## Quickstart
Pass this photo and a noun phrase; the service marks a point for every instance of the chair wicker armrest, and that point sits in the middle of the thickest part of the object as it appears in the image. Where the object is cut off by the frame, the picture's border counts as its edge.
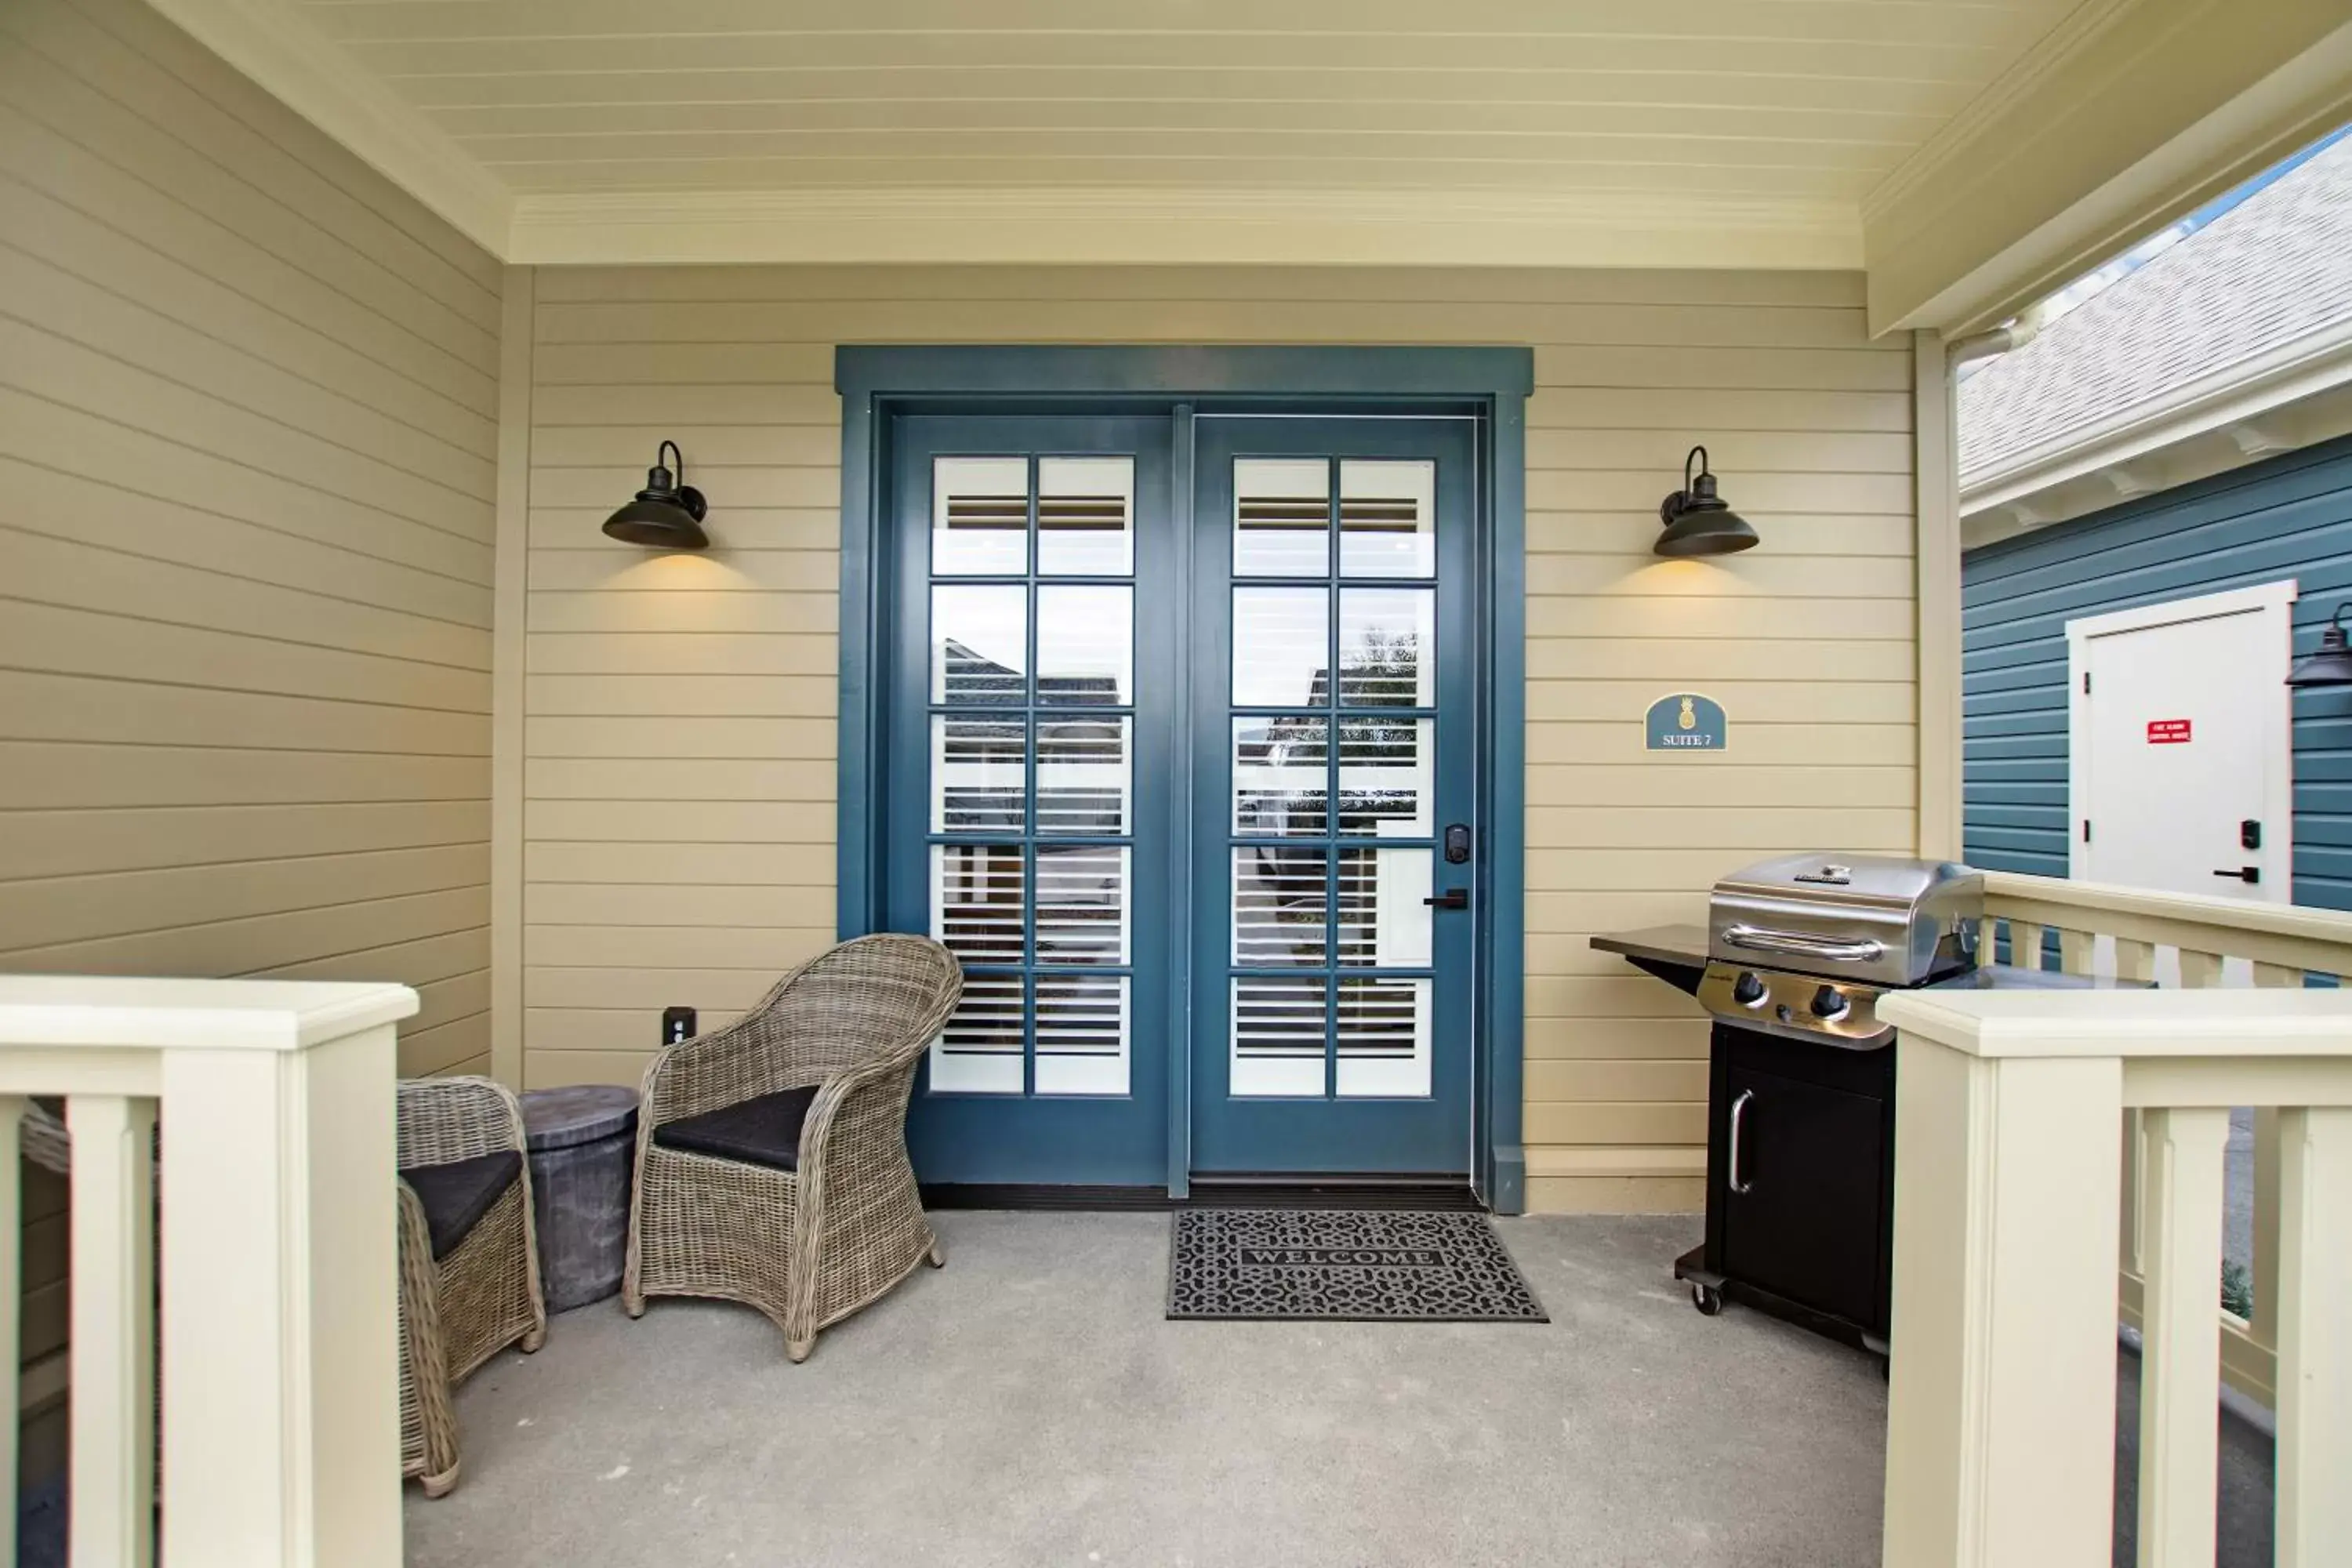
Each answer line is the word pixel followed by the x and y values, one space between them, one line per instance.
pixel 443 1120
pixel 849 1106
pixel 876 1088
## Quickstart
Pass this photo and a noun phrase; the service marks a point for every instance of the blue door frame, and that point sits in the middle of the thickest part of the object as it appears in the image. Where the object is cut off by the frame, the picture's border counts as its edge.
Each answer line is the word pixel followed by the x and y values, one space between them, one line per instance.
pixel 1179 384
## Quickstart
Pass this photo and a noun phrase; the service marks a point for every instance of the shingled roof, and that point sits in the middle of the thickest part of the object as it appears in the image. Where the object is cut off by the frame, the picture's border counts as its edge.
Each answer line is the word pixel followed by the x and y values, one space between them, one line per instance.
pixel 2275 267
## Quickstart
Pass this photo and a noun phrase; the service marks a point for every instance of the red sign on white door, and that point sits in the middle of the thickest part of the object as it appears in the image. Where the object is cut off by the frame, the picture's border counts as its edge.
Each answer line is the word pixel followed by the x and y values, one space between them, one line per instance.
pixel 2167 732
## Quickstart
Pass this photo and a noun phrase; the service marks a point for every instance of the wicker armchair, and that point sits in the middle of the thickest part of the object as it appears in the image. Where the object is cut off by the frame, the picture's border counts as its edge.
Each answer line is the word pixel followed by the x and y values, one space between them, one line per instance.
pixel 468 1259
pixel 772 1154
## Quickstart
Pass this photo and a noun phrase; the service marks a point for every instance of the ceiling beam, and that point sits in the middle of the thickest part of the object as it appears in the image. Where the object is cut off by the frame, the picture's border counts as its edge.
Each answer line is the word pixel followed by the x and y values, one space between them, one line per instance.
pixel 1406 227
pixel 2131 114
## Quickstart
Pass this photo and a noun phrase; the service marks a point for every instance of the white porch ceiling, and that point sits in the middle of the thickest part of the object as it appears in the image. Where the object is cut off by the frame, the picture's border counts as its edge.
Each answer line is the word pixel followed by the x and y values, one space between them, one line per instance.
pixel 1795 100
pixel 1562 132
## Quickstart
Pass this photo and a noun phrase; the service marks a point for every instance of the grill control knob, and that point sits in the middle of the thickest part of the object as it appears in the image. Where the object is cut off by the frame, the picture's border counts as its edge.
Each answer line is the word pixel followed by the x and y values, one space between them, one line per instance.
pixel 1747 990
pixel 1830 1004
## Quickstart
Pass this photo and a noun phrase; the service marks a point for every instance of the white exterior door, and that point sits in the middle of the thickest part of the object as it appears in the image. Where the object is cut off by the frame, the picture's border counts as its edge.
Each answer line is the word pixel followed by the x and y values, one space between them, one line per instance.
pixel 2182 776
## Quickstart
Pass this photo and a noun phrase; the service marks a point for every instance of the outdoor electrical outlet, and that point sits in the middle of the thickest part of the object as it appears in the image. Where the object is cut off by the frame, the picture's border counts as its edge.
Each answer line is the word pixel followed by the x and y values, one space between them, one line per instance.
pixel 677 1023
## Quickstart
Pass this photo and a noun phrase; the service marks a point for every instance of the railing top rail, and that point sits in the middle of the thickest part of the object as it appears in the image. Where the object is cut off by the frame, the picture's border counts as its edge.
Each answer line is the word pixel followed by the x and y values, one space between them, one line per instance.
pixel 2235 915
pixel 113 1012
pixel 2198 1023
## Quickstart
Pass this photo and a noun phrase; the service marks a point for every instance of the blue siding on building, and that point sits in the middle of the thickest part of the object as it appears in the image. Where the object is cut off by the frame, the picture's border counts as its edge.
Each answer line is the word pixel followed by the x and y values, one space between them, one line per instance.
pixel 2290 516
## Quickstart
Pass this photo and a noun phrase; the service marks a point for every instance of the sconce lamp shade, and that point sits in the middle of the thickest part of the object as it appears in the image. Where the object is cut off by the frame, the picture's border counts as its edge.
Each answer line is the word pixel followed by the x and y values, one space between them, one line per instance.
pixel 2332 665
pixel 1697 521
pixel 666 514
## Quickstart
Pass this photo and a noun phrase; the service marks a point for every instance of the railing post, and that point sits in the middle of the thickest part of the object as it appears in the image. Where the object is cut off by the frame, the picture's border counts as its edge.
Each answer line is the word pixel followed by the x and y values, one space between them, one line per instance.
pixel 111 1515
pixel 280 1360
pixel 1999 1447
pixel 2315 1358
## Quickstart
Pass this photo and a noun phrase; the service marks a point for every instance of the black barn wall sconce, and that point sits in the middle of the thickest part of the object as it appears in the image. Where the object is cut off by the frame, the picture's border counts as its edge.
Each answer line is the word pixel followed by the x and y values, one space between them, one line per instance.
pixel 667 513
pixel 2332 665
pixel 1697 521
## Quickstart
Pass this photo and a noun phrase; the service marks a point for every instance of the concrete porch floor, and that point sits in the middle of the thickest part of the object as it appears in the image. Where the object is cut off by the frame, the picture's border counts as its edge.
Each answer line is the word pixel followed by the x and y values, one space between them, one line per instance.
pixel 1028 1406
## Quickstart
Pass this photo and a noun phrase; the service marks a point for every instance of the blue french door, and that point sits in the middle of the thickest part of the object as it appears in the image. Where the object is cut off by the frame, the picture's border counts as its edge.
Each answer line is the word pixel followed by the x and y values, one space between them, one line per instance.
pixel 1030 759
pixel 1332 747
pixel 1188 793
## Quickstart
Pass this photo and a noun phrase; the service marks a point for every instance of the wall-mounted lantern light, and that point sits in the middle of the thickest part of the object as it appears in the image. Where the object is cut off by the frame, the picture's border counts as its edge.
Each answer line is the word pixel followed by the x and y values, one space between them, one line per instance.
pixel 1697 522
pixel 667 514
pixel 2332 665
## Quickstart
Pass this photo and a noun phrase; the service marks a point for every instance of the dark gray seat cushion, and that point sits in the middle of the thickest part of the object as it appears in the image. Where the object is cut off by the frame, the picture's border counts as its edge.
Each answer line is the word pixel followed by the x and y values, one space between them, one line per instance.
pixel 457 1195
pixel 762 1132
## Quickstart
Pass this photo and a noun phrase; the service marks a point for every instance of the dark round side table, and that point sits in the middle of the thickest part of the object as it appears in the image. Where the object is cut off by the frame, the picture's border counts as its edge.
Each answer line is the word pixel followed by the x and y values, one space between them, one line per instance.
pixel 584 1145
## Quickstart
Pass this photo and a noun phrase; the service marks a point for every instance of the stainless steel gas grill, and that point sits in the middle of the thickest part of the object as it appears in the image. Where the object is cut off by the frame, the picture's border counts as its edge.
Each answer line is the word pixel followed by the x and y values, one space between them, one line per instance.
pixel 1806 945
pixel 1800 1108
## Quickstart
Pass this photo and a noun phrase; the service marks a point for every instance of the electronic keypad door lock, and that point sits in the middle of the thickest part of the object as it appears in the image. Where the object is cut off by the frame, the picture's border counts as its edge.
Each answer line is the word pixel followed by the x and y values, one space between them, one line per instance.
pixel 1457 844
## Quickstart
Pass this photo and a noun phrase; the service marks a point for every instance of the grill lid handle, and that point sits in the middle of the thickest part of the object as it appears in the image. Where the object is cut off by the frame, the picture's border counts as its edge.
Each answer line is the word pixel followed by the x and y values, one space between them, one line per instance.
pixel 1797 944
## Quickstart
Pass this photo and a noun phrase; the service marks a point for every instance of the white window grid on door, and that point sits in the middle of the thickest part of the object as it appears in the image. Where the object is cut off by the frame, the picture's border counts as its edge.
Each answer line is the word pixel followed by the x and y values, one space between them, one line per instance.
pixel 1031 718
pixel 1334 577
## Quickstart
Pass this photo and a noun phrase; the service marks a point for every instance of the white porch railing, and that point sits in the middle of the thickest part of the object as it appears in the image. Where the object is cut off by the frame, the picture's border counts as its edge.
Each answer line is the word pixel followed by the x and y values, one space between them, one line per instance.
pixel 2193 942
pixel 280 1378
pixel 2000 1431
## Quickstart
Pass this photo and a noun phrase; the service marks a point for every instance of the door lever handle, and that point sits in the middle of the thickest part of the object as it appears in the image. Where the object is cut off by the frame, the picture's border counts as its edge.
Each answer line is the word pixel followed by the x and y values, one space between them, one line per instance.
pixel 2241 873
pixel 1452 898
pixel 1731 1177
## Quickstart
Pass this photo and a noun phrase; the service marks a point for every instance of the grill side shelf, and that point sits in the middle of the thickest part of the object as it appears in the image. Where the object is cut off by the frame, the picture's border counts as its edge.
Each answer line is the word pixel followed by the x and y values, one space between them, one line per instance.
pixel 1675 954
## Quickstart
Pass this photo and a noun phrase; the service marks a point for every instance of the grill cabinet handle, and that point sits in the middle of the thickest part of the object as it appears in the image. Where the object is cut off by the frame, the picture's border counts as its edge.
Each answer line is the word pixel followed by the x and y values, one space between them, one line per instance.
pixel 1731 1158
pixel 1796 945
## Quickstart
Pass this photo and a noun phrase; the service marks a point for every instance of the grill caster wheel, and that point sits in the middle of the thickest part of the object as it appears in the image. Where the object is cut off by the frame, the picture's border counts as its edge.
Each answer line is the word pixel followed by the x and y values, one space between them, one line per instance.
pixel 1708 1299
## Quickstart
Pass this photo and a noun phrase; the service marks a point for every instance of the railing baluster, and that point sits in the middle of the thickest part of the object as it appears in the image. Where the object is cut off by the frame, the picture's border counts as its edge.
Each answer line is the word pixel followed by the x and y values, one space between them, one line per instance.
pixel 2025 945
pixel 2263 1325
pixel 2200 971
pixel 2128 1237
pixel 2135 960
pixel 2181 1367
pixel 2314 1355
pixel 11 1287
pixel 2076 951
pixel 111 1519
pixel 2277 974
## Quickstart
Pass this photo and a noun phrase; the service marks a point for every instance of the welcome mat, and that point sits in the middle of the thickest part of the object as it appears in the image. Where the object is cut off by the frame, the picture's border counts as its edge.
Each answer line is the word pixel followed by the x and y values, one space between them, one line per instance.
pixel 1345 1265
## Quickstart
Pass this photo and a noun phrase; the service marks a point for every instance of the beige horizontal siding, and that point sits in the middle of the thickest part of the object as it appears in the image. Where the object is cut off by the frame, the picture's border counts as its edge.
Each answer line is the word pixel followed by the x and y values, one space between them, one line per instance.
pixel 680 742
pixel 248 432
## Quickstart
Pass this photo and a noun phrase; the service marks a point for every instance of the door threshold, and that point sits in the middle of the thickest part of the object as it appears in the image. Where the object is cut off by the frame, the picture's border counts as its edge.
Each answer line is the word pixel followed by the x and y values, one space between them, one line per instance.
pixel 1449 1195
pixel 1287 1191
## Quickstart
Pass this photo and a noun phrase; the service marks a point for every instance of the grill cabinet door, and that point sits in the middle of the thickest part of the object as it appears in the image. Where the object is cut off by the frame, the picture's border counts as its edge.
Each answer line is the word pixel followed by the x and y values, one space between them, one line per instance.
pixel 1808 1227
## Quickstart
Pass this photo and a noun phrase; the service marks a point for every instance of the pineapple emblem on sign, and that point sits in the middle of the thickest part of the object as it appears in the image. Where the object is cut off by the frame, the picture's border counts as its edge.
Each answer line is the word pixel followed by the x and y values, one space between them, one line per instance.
pixel 1686 721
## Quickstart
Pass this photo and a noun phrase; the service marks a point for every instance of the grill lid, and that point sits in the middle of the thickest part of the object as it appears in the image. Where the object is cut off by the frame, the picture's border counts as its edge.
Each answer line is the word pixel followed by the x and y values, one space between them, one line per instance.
pixel 1868 918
